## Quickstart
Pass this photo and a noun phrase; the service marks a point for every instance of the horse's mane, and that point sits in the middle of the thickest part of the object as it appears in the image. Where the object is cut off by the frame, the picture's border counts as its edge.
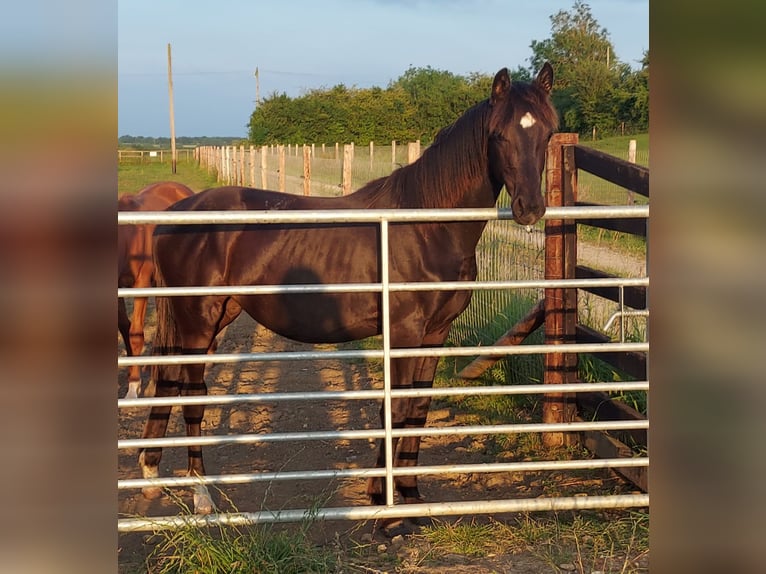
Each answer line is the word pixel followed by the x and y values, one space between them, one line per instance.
pixel 456 159
pixel 442 170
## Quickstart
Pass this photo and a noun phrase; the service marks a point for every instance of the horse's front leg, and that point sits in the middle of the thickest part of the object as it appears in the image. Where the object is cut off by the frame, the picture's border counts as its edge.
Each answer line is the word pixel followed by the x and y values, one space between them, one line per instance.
pixel 401 376
pixel 193 416
pixel 417 414
pixel 156 427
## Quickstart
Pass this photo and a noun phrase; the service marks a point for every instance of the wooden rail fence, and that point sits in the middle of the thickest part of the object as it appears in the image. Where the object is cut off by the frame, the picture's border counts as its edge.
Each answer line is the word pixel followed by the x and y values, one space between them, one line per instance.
pixel 307 169
pixel 558 311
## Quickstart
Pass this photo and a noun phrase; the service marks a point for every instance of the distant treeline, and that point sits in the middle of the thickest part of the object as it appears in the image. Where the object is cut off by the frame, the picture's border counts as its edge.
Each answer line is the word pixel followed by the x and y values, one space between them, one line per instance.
pixel 143 142
pixel 593 92
pixel 424 100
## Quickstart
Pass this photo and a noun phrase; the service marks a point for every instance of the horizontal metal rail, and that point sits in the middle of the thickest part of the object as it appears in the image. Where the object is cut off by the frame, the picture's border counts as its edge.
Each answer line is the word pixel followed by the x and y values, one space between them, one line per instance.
pixel 377 287
pixel 399 511
pixel 219 358
pixel 371 215
pixel 269 397
pixel 362 473
pixel 365 434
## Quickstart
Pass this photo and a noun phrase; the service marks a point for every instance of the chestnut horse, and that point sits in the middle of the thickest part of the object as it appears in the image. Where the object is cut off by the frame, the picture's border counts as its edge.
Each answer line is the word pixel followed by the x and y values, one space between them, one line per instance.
pixel 498 142
pixel 135 266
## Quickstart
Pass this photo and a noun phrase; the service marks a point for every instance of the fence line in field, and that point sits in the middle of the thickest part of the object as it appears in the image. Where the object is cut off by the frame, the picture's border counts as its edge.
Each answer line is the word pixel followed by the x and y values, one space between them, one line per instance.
pixel 309 169
pixel 331 170
pixel 153 155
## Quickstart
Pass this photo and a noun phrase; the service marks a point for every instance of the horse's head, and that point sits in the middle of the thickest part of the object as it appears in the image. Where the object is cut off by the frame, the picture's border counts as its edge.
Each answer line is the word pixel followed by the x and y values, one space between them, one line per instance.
pixel 522 120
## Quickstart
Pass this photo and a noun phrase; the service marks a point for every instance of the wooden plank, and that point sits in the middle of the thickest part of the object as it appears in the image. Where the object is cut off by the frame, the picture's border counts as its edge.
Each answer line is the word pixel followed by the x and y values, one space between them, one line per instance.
pixel 348 160
pixel 604 446
pixel 514 336
pixel 632 363
pixel 634 297
pixel 632 225
pixel 306 170
pixel 618 171
pixel 600 406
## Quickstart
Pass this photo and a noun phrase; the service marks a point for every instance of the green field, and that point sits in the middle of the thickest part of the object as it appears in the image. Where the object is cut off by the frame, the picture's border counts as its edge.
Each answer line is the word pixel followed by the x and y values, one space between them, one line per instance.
pixel 132 177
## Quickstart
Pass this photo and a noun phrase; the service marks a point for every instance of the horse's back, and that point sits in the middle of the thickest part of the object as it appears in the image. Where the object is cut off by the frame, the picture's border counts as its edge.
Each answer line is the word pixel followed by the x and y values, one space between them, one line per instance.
pixel 159 196
pixel 232 197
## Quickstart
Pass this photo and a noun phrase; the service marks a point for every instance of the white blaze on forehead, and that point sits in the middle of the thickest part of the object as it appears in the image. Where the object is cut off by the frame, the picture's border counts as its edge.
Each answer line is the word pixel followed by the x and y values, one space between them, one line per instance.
pixel 527 121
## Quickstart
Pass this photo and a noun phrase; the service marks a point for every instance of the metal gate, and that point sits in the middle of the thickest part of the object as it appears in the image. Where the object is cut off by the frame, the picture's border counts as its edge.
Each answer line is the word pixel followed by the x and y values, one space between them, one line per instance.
pixel 387 433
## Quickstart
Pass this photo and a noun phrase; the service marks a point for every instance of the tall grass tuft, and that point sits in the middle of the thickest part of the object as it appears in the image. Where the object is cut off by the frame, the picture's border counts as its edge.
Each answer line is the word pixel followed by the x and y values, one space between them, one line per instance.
pixel 220 548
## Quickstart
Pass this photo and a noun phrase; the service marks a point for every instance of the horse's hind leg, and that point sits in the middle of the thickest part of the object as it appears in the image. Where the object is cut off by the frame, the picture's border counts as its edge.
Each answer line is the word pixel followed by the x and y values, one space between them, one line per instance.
pixel 198 322
pixel 156 427
pixel 124 326
pixel 136 345
pixel 226 311
pixel 193 416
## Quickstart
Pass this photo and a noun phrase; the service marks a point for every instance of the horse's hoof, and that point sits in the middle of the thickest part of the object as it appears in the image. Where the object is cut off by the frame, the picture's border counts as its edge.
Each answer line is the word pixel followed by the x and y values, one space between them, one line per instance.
pixel 203 503
pixel 132 391
pixel 421 521
pixel 151 492
pixel 399 527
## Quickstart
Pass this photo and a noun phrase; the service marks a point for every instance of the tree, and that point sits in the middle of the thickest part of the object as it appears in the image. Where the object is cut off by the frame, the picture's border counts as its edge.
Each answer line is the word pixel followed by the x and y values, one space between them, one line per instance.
pixel 586 69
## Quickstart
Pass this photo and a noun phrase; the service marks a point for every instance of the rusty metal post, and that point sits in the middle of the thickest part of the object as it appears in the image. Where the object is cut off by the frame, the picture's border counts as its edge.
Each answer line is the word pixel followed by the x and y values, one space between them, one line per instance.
pixel 560 304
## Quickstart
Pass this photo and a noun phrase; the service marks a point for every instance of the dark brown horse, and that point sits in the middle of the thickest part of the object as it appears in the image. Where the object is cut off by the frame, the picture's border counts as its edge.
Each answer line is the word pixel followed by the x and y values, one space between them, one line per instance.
pixel 135 265
pixel 498 142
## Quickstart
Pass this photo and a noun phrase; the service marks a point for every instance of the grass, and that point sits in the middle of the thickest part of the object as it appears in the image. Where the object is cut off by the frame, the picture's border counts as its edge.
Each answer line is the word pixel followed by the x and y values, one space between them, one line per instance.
pixel 262 548
pixel 618 146
pixel 587 541
pixel 132 177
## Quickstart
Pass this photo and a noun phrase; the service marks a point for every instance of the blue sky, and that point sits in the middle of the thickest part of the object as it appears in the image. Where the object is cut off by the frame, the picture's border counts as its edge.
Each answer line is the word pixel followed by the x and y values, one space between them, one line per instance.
pixel 299 45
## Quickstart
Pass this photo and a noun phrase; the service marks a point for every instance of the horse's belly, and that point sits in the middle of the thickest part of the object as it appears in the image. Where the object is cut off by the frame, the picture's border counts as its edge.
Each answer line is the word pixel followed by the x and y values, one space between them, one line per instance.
pixel 316 317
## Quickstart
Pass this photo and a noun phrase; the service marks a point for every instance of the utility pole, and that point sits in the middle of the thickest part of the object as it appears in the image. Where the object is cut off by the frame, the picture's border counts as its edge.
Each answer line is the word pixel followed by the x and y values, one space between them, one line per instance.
pixel 257 88
pixel 172 115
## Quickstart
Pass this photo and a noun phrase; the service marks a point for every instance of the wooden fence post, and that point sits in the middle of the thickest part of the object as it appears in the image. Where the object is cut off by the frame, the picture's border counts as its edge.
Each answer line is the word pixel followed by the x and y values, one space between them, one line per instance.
pixel 252 166
pixel 560 304
pixel 348 159
pixel 281 151
pixel 372 153
pixel 241 176
pixel 393 153
pixel 413 151
pixel 306 170
pixel 264 180
pixel 631 159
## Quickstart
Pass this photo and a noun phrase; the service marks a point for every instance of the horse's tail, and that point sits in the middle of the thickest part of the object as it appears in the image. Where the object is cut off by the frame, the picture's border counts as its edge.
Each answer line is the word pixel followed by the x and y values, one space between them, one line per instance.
pixel 166 341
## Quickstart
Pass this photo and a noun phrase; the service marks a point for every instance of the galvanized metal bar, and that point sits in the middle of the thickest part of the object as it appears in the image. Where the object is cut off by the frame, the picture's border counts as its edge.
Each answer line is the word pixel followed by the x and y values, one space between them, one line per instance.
pixel 387 384
pixel 235 217
pixel 399 511
pixel 358 473
pixel 620 315
pixel 379 394
pixel 376 287
pixel 220 358
pixel 371 433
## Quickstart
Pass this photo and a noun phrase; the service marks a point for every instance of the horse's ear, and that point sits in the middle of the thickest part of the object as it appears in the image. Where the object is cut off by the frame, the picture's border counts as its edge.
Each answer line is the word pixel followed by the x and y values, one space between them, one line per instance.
pixel 545 77
pixel 501 85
